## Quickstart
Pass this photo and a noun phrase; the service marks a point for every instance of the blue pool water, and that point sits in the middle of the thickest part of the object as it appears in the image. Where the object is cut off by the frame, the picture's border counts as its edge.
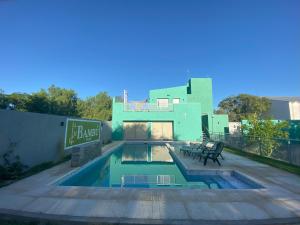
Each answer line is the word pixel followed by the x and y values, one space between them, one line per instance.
pixel 149 166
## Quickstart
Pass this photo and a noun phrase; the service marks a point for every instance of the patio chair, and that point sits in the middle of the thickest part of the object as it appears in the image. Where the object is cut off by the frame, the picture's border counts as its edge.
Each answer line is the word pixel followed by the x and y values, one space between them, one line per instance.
pixel 207 145
pixel 187 149
pixel 213 147
pixel 213 154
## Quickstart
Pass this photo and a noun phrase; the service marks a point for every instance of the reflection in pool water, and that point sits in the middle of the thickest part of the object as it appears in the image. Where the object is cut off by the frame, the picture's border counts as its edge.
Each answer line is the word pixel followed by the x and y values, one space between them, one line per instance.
pixel 141 165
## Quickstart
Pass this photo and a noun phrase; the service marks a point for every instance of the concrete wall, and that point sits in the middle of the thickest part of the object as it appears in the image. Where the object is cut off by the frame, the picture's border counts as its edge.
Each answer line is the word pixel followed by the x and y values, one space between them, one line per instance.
pixel 36 137
pixel 106 132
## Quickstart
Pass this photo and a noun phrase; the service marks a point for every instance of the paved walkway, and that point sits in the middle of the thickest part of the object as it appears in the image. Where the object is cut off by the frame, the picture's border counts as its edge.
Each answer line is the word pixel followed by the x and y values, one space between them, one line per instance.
pixel 278 203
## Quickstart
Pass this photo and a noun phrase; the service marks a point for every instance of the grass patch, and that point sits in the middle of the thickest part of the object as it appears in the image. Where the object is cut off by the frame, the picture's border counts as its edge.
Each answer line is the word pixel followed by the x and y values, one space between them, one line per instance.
pixel 272 162
pixel 34 170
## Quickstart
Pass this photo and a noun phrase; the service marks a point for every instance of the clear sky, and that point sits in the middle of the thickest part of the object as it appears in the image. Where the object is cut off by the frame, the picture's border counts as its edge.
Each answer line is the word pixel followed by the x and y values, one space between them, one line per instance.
pixel 90 46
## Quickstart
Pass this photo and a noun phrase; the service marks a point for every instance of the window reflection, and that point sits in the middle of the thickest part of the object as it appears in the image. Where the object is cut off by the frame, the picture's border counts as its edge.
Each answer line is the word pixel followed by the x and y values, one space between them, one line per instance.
pixel 144 153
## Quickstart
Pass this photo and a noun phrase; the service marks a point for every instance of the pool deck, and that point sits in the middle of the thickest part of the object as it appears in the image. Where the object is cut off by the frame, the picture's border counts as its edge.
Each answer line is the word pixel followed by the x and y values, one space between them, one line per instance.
pixel 277 203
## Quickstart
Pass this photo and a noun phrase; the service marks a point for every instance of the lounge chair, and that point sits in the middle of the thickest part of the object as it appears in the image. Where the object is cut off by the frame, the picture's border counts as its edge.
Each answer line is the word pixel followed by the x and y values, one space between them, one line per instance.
pixel 187 149
pixel 213 154
pixel 212 146
pixel 207 145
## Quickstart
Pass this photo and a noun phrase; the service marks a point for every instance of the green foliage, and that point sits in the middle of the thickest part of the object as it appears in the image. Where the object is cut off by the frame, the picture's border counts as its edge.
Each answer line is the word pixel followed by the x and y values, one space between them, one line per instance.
pixel 3 99
pixel 12 168
pixel 241 106
pixel 6 177
pixel 265 132
pixel 60 101
pixel 39 102
pixel 97 107
pixel 3 173
pixel 20 101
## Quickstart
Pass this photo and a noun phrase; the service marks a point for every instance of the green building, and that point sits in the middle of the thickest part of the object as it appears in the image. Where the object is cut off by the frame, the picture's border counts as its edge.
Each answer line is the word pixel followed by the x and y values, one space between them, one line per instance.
pixel 178 113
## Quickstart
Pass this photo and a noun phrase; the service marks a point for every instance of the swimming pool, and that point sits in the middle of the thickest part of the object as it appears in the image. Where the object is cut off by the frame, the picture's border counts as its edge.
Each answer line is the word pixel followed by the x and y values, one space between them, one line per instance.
pixel 150 166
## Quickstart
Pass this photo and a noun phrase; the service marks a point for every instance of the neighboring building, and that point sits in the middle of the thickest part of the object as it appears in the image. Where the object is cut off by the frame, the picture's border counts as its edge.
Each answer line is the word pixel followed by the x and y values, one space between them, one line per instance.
pixel 285 108
pixel 235 128
pixel 176 113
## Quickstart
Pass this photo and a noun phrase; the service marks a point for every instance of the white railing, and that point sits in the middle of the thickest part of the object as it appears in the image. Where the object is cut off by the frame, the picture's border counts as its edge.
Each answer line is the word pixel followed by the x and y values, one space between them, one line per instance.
pixel 147 180
pixel 146 107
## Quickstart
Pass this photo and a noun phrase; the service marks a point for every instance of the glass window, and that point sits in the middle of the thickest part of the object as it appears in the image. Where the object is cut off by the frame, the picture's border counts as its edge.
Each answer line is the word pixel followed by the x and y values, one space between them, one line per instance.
pixel 176 100
pixel 162 102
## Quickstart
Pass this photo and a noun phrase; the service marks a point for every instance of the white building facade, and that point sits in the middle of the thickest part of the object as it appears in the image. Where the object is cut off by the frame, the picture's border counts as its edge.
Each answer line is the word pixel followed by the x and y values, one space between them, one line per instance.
pixel 285 108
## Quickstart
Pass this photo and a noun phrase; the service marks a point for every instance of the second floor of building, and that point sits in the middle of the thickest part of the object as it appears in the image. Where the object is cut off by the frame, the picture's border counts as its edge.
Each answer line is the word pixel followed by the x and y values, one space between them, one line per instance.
pixel 196 94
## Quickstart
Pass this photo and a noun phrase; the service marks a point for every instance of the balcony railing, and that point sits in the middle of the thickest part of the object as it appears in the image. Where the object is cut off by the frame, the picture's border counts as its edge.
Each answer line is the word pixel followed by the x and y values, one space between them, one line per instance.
pixel 146 107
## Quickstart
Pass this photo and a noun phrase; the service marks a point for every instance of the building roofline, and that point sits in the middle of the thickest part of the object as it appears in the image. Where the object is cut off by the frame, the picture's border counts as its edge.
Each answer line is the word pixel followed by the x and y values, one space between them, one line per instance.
pixel 284 98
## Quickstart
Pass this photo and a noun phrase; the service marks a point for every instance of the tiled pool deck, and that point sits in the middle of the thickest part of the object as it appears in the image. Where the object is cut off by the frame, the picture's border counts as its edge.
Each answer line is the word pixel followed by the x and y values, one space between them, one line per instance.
pixel 277 203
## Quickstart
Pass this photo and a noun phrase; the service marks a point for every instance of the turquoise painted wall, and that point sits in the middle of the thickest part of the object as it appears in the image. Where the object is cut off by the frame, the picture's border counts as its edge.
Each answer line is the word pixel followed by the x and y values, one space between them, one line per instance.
pixel 170 93
pixel 219 124
pixel 216 123
pixel 185 117
pixel 196 101
pixel 200 90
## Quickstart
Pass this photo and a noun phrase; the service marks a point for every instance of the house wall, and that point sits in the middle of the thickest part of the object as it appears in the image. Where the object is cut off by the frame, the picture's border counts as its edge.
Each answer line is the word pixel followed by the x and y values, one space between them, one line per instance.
pixel 216 123
pixel 185 117
pixel 200 91
pixel 219 124
pixel 280 110
pixel 196 103
pixel 170 93
pixel 294 108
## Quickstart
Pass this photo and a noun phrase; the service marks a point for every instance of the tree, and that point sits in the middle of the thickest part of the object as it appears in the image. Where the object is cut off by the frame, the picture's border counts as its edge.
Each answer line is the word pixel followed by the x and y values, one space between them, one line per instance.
pixel 39 102
pixel 241 106
pixel 20 101
pixel 265 132
pixel 3 100
pixel 97 107
pixel 62 101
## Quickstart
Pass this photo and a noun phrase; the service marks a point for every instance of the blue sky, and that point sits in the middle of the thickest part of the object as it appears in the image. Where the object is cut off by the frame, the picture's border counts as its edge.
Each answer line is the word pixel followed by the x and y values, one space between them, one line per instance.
pixel 91 46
